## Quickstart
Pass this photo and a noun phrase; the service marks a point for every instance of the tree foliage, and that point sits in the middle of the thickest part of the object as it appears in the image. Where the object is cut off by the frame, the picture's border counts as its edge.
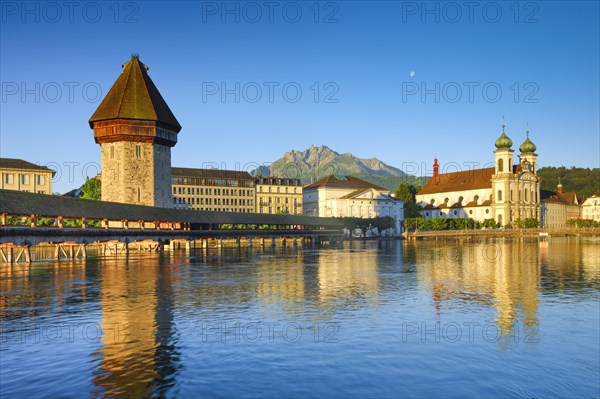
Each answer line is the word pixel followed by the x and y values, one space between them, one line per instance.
pixel 406 192
pixel 582 223
pixel 435 224
pixel 584 181
pixel 92 189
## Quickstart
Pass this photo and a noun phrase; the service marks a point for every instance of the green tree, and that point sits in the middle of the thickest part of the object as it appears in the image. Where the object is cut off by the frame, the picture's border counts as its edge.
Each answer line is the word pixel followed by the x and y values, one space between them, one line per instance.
pixel 406 192
pixel 92 189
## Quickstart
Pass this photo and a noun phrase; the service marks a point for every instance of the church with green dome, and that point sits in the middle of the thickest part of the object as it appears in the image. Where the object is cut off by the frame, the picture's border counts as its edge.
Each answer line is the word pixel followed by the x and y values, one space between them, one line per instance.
pixel 508 191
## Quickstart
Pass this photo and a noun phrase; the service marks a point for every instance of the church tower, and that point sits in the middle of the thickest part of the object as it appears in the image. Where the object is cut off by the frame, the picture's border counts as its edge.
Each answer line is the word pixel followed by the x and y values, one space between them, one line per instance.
pixel 136 130
pixel 501 179
pixel 528 156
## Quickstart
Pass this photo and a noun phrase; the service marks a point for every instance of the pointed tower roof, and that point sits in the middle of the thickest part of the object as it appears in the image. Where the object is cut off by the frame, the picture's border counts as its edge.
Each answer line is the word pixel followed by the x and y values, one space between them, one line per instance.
pixel 134 96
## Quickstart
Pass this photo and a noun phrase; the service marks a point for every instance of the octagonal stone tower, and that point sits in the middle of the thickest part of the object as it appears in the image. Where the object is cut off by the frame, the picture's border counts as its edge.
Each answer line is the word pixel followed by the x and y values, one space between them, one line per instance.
pixel 136 130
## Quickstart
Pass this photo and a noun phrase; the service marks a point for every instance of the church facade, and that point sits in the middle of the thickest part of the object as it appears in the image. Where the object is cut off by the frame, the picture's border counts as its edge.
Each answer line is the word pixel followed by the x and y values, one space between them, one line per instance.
pixel 505 192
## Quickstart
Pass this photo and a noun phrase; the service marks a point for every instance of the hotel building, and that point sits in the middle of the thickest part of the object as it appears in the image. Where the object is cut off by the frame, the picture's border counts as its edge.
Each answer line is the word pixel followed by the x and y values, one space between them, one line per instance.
pixel 278 195
pixel 213 190
pixel 20 175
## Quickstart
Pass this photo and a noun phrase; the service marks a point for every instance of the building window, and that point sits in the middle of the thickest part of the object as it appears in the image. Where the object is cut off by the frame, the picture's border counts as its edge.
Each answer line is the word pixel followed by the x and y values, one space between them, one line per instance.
pixel 487 211
pixel 526 195
pixel 40 180
pixel 500 165
pixel 112 152
pixel 471 212
pixel 455 212
pixel 24 179
pixel 9 178
pixel 499 195
pixel 138 151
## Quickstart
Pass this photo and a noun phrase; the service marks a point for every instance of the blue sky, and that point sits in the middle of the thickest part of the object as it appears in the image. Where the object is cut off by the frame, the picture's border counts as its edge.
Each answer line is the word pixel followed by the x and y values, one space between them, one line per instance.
pixel 400 81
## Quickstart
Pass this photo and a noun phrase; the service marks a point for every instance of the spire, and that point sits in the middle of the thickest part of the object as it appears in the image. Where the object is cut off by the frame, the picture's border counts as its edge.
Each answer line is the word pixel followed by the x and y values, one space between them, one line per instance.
pixel 436 168
pixel 527 147
pixel 503 142
pixel 559 187
pixel 134 96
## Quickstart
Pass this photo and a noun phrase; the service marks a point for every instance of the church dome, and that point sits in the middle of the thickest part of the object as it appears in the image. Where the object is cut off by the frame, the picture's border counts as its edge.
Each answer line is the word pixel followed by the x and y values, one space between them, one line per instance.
pixel 503 142
pixel 527 147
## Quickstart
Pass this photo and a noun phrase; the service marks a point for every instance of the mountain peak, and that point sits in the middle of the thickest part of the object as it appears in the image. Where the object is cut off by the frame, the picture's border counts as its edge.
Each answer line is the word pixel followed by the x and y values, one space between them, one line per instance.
pixel 316 162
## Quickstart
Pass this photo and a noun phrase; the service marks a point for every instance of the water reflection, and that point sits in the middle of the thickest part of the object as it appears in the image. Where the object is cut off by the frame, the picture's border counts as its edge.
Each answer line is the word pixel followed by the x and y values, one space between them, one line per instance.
pixel 504 276
pixel 143 317
pixel 138 357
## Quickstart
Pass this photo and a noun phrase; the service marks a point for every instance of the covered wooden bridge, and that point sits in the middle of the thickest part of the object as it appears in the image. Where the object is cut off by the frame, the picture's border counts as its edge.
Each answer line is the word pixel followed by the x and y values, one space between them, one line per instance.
pixel 29 219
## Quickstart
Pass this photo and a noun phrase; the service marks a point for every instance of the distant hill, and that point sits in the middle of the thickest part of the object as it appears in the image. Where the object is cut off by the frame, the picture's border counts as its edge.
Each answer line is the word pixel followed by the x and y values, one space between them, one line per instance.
pixel 315 163
pixel 584 181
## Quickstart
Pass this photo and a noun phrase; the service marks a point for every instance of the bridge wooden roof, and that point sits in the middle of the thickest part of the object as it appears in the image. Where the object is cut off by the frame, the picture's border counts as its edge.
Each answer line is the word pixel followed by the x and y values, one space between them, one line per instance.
pixel 22 203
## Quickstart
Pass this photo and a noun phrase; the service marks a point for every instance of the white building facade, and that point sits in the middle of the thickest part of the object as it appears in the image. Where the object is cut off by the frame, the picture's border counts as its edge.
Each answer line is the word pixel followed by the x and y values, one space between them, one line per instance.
pixel 351 197
pixel 590 209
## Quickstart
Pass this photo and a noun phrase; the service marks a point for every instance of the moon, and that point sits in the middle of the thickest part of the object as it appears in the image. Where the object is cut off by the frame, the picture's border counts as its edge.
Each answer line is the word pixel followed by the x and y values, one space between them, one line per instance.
pixel 412 74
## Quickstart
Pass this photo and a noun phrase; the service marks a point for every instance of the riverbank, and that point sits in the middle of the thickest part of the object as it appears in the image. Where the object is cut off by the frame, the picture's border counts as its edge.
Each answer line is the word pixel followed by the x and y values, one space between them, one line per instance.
pixel 543 233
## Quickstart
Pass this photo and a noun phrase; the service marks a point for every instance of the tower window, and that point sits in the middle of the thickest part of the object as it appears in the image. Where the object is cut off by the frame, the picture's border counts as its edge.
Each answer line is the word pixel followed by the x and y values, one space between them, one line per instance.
pixel 500 165
pixel 138 151
pixel 112 152
pixel 499 195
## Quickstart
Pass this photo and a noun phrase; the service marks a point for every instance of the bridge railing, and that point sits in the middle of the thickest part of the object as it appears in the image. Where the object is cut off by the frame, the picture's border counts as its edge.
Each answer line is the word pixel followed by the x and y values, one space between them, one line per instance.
pixel 39 210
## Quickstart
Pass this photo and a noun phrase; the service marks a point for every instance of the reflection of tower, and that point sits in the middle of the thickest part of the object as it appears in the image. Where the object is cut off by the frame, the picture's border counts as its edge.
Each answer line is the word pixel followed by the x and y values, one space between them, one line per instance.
pixel 136 321
pixel 136 130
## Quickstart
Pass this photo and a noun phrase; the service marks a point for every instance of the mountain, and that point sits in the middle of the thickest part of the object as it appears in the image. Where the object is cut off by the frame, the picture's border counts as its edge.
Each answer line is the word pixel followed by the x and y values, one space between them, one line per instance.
pixel 317 162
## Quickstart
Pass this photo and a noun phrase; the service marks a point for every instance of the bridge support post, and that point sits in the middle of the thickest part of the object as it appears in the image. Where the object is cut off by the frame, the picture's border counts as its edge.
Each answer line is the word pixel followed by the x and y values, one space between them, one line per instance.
pixel 250 242
pixel 187 247
pixel 273 242
pixel 238 241
pixel 262 241
pixel 283 242
pixel 220 243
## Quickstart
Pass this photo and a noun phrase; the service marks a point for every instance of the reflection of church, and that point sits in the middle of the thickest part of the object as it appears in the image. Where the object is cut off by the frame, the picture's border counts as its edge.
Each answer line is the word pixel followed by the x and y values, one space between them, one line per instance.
pixel 502 276
pixel 504 192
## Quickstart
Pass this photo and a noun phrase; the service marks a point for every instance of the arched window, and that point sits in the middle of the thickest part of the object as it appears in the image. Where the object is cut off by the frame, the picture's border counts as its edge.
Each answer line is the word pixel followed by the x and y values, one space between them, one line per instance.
pixel 476 198
pixel 460 199
pixel 500 165
pixel 525 195
pixel 432 201
pixel 499 196
pixel 446 200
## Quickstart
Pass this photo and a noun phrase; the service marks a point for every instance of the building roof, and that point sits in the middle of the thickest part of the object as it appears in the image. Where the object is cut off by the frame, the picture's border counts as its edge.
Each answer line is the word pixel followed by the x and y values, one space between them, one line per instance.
pixel 461 181
pixel 347 182
pixel 13 163
pixel 567 198
pixel 134 96
pixel 211 173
